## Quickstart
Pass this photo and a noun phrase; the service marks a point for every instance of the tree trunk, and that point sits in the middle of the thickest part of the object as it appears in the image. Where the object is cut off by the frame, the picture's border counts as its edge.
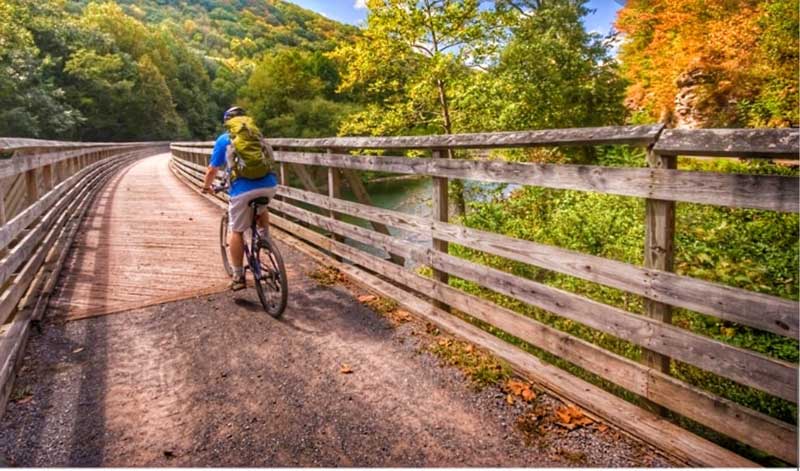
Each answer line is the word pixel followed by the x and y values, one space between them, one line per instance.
pixel 456 188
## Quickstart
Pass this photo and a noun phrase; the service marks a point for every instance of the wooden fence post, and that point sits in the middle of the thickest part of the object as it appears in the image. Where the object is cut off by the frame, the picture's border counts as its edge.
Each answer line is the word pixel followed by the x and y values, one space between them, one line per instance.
pixel 334 191
pixel 3 218
pixel 31 186
pixel 282 174
pixel 659 254
pixel 47 177
pixel 440 213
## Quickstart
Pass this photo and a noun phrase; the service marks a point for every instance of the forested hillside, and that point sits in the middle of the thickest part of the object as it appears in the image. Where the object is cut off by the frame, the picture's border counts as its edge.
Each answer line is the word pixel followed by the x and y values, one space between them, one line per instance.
pixel 159 69
pixel 144 69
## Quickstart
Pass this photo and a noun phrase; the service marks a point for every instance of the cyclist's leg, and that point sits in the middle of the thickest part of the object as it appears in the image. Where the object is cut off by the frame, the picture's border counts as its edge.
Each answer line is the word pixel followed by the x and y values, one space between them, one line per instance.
pixel 238 223
pixel 236 249
pixel 263 213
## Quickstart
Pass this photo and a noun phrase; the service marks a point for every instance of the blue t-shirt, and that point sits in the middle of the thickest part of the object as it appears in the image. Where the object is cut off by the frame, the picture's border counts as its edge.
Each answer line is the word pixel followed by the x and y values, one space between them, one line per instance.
pixel 239 185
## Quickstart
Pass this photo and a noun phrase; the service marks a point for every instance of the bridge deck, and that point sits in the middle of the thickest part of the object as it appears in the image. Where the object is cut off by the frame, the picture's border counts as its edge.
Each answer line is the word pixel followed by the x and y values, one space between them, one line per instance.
pixel 214 381
pixel 148 239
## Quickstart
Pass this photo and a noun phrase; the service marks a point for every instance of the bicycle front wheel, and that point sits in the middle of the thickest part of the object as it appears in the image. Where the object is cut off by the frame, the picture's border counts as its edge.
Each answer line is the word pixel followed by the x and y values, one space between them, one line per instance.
pixel 223 244
pixel 272 287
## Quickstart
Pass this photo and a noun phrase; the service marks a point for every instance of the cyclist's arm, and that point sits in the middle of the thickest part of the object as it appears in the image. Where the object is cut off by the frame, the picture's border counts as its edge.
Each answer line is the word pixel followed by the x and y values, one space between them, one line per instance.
pixel 217 161
pixel 211 173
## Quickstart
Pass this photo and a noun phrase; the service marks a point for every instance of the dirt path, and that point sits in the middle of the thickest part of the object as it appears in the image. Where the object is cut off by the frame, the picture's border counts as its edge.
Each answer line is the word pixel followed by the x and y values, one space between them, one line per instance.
pixel 212 381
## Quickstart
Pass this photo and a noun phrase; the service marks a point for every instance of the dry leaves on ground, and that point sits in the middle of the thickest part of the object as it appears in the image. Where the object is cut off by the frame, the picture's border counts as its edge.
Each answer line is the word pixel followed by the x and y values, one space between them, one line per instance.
pixel 521 389
pixel 571 417
pixel 345 369
pixel 365 298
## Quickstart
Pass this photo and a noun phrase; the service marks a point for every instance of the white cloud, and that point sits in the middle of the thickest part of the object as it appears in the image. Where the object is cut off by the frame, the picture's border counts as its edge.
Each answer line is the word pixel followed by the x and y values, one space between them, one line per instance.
pixel 360 4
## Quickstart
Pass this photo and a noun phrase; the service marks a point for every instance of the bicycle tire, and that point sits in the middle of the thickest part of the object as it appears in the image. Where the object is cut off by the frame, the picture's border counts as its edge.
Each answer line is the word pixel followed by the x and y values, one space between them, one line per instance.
pixel 223 244
pixel 272 288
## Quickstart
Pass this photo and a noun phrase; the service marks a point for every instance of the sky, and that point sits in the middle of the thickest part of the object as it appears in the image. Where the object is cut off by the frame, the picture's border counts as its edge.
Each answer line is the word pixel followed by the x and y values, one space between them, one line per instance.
pixel 353 12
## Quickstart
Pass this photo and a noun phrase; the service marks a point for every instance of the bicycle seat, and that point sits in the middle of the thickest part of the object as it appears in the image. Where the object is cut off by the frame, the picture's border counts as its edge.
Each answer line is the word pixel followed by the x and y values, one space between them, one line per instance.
pixel 260 201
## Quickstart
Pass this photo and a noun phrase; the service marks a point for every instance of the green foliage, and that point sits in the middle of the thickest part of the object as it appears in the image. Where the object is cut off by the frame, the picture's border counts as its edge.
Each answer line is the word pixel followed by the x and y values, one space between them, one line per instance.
pixel 409 58
pixel 551 74
pixel 750 249
pixel 152 69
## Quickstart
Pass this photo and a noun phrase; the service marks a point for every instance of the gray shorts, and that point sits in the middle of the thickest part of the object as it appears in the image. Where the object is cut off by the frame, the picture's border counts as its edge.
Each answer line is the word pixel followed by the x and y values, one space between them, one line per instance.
pixel 239 213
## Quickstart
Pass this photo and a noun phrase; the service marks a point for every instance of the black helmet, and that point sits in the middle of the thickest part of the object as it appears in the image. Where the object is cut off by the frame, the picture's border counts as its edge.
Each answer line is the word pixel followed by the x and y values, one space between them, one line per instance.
pixel 233 112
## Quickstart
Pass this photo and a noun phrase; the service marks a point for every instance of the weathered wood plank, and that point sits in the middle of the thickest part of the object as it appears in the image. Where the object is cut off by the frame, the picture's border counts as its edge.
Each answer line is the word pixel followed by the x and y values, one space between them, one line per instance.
pixel 334 192
pixel 768 192
pixel 22 250
pixel 769 313
pixel 752 369
pixel 14 144
pixel 439 213
pixel 21 164
pixel 30 245
pixel 633 135
pixel 644 426
pixel 761 431
pixel 750 143
pixel 659 253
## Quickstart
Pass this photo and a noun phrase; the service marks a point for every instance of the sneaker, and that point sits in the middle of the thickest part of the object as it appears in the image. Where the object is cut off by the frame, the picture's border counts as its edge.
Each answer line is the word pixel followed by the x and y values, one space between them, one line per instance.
pixel 238 284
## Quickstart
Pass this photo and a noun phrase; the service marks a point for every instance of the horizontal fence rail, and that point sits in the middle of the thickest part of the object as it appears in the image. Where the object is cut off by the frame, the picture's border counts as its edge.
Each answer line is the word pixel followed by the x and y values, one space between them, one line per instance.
pixel 660 185
pixel 45 188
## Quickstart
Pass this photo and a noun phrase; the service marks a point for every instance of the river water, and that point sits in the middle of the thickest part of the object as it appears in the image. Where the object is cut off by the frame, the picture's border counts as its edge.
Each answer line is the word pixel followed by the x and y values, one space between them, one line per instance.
pixel 414 196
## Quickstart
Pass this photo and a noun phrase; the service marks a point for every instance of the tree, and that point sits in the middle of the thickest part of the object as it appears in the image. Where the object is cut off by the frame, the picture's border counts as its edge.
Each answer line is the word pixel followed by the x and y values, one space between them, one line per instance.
pixel 552 73
pixel 701 63
pixel 31 104
pixel 410 56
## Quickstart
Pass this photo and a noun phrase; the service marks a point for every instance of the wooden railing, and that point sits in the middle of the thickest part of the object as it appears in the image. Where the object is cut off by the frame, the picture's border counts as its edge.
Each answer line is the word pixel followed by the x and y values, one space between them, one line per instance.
pixel 661 185
pixel 45 188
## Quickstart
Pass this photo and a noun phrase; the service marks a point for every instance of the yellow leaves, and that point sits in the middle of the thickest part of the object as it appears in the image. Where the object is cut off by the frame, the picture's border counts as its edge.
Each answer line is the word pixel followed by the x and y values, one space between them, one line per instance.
pixel 571 417
pixel 345 369
pixel 520 389
pixel 365 298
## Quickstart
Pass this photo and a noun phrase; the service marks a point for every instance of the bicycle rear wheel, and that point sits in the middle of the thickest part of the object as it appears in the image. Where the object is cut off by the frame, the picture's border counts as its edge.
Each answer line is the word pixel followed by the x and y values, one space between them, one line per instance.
pixel 272 287
pixel 223 244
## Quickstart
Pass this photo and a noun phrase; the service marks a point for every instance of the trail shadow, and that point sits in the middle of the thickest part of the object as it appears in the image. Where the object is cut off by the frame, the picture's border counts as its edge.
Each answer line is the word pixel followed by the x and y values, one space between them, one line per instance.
pixel 249 305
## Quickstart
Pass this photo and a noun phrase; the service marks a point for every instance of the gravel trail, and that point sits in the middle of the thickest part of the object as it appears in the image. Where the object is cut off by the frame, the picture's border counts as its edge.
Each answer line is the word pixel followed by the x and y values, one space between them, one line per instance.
pixel 212 381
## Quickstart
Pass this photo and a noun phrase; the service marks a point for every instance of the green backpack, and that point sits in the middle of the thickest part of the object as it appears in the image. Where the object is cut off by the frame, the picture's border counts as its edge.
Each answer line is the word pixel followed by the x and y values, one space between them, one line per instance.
pixel 251 157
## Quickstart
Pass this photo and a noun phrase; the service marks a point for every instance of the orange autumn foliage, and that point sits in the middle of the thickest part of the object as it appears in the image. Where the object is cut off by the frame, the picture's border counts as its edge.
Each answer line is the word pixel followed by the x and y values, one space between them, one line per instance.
pixel 706 55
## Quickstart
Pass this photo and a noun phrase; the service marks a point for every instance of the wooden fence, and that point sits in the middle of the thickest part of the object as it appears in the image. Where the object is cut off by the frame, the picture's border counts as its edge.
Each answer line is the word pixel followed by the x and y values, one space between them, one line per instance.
pixel 45 188
pixel 661 184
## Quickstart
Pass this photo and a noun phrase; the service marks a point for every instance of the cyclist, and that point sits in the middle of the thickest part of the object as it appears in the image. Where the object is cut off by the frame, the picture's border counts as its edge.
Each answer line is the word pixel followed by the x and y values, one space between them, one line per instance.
pixel 242 190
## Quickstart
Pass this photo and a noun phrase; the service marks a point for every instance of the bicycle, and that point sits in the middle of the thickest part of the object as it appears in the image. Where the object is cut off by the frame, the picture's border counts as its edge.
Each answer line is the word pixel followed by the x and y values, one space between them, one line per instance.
pixel 263 260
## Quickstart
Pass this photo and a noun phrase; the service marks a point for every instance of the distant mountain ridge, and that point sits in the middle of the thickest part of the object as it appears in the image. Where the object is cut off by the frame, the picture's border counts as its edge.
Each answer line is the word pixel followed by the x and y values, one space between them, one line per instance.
pixel 241 29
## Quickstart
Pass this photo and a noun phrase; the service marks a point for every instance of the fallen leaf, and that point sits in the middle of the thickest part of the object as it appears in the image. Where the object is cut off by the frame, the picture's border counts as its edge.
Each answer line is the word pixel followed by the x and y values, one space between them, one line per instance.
pixel 515 387
pixel 345 369
pixel 572 416
pixel 528 395
pixel 602 428
pixel 402 315
pixel 469 349
pixel 510 399
pixel 78 350
pixel 25 399
pixel 365 298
